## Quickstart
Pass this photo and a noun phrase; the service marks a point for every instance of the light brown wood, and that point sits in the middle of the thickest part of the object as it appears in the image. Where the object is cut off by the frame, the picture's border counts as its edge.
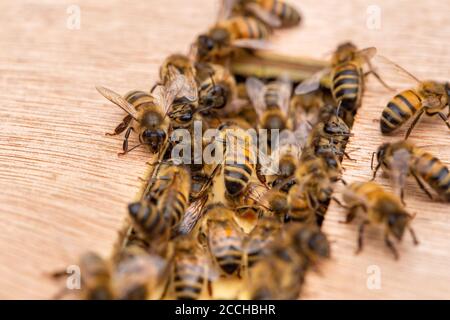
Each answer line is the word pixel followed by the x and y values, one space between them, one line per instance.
pixel 64 190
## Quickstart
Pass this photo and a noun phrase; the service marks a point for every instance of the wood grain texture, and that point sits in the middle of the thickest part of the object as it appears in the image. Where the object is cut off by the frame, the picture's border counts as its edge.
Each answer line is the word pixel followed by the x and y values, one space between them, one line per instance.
pixel 64 190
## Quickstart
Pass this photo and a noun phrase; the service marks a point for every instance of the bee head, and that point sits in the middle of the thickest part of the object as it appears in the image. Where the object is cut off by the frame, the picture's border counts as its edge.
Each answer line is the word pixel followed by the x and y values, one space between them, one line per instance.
pixel 207 44
pixel 155 138
pixel 397 222
pixel 344 52
pixel 381 152
pixel 336 126
pixel 214 96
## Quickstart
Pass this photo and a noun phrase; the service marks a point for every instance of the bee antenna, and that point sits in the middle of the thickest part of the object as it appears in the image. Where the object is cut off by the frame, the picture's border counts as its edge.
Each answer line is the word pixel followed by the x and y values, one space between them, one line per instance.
pixel 338 109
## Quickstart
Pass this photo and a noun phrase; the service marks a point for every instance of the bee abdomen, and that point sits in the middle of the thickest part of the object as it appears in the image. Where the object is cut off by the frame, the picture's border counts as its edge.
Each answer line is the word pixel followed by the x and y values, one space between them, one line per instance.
pixel 147 219
pixel 230 260
pixel 174 208
pixel 289 15
pixel 347 86
pixel 435 173
pixel 139 98
pixel 188 283
pixel 402 107
pixel 236 177
pixel 249 28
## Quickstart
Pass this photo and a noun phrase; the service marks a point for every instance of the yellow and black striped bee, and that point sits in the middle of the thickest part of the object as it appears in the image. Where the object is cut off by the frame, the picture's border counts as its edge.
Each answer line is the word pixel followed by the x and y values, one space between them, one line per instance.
pixel 217 88
pixel 224 237
pixel 346 77
pixel 401 159
pixel 228 33
pixel 299 208
pixel 147 113
pixel 380 208
pixel 191 273
pixel 163 208
pixel 429 97
pixel 95 282
pixel 274 13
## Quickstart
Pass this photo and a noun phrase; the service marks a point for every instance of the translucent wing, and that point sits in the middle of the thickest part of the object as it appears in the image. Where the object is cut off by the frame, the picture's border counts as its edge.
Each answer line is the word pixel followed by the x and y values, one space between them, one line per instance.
pixel 367 53
pixel 165 95
pixel 186 85
pixel 256 191
pixel 313 83
pixel 256 44
pixel 389 66
pixel 193 214
pixel 267 17
pixel 285 93
pixel 400 169
pixel 255 91
pixel 118 100
pixel 226 9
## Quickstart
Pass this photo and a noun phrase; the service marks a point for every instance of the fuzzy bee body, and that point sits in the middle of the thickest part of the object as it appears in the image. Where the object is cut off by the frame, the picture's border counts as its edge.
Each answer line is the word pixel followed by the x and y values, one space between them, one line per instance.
pixel 347 85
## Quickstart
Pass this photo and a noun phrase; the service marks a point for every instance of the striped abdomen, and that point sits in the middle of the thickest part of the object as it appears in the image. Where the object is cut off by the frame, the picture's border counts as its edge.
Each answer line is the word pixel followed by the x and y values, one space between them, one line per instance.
pixel 299 209
pixel 402 107
pixel 246 28
pixel 147 219
pixel 347 86
pixel 239 164
pixel 433 172
pixel 139 99
pixel 272 95
pixel 288 15
pixel 173 205
pixel 228 253
pixel 189 277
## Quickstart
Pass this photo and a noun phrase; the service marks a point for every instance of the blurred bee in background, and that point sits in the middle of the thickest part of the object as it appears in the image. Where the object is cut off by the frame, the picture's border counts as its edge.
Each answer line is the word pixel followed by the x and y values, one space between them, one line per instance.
pixel 380 208
pixel 309 241
pixel 95 282
pixel 224 238
pixel 401 159
pixel 228 33
pixel 191 270
pixel 345 77
pixel 428 97
pixel 274 13
pixel 163 208
pixel 139 275
pixel 280 274
pixel 147 113
pixel 271 102
pixel 265 232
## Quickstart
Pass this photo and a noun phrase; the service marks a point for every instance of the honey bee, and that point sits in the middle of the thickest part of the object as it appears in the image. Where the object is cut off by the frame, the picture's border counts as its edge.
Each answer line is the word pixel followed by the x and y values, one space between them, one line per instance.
pixel 275 13
pixel 190 269
pixel 279 275
pixel 309 241
pixel 271 102
pixel 163 208
pixel 138 274
pixel 228 33
pixel 172 67
pixel 147 113
pixel 265 232
pixel 224 237
pixel 217 88
pixel 428 97
pixel 299 208
pixel 401 159
pixel 346 76
pixel 380 208
pixel 96 275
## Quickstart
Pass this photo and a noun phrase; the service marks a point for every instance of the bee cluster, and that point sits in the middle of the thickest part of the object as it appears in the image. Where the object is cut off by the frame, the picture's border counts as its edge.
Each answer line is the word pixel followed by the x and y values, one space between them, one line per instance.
pixel 199 224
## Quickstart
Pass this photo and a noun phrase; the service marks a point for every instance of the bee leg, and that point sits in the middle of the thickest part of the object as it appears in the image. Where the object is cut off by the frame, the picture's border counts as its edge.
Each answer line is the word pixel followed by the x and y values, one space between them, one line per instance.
pixel 402 196
pixel 210 289
pixel 413 236
pixel 348 157
pixel 444 118
pixel 121 127
pixel 361 236
pixel 339 203
pixel 125 141
pixel 413 124
pixel 383 83
pixel 351 213
pixel 422 186
pixel 391 246
pixel 375 171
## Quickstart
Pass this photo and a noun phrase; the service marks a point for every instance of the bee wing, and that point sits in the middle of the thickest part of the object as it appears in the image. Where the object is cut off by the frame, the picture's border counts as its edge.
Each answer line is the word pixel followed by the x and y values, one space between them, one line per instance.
pixel 256 44
pixel 265 16
pixel 184 86
pixel 400 169
pixel 389 66
pixel 118 100
pixel 193 214
pixel 255 91
pixel 226 9
pixel 256 191
pixel 313 83
pixel 367 53
pixel 285 93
